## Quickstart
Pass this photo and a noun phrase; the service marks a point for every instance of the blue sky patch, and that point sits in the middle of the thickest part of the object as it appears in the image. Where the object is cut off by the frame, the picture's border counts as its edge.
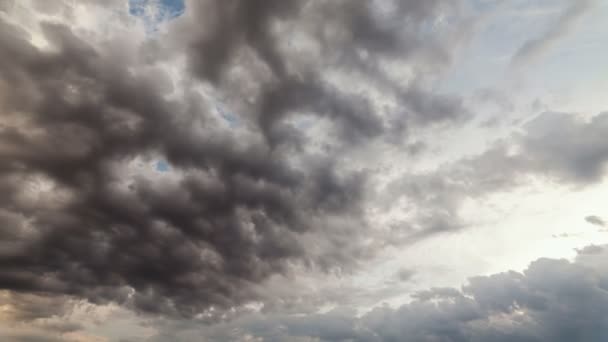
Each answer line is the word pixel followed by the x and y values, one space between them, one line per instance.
pixel 229 117
pixel 162 166
pixel 154 12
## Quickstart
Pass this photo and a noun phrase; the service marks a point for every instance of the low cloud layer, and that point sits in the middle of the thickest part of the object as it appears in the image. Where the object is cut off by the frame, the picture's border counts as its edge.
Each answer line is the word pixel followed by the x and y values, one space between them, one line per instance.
pixel 552 300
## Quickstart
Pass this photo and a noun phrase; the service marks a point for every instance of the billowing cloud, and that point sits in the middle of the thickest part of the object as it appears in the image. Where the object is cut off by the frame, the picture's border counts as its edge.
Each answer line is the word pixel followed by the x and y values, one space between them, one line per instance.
pixel 82 114
pixel 205 176
pixel 552 300
pixel 233 215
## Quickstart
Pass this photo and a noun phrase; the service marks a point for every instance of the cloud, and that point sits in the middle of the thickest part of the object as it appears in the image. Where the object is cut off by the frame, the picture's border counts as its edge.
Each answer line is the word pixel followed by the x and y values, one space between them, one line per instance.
pixel 595 220
pixel 7 6
pixel 346 39
pixel 29 307
pixel 32 338
pixel 84 109
pixel 556 147
pixel 31 317
pixel 534 48
pixel 566 147
pixel 537 304
pixel 406 274
pixel 242 208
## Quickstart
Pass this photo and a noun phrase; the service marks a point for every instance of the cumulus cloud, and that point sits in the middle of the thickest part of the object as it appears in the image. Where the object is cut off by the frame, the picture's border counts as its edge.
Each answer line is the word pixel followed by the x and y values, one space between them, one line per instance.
pixel 552 300
pixel 83 111
pixel 208 172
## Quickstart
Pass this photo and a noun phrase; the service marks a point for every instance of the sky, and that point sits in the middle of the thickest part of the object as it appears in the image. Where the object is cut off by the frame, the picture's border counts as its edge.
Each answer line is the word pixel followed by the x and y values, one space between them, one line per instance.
pixel 315 170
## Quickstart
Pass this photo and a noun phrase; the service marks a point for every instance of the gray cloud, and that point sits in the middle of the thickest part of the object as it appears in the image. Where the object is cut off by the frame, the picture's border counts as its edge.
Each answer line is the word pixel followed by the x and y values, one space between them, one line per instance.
pixel 25 307
pixel 32 338
pixel 552 300
pixel 81 218
pixel 559 147
pixel 350 38
pixel 566 147
pixel 595 220
pixel 43 317
pixel 534 48
pixel 238 206
pixel 406 274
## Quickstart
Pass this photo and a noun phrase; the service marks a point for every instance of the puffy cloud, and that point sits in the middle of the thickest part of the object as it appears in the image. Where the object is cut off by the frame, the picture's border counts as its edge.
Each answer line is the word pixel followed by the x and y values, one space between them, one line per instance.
pixel 552 300
pixel 566 147
pixel 83 111
pixel 282 180
pixel 595 220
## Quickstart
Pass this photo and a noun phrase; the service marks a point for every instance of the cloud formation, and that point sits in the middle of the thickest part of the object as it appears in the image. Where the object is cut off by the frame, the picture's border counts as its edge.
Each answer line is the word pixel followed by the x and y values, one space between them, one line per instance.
pixel 82 114
pixel 534 48
pixel 201 179
pixel 595 220
pixel 557 147
pixel 552 300
pixel 232 217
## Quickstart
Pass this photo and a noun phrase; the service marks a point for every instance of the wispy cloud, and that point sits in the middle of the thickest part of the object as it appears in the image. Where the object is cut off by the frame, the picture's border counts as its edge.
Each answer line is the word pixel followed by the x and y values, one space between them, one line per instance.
pixel 595 220
pixel 536 47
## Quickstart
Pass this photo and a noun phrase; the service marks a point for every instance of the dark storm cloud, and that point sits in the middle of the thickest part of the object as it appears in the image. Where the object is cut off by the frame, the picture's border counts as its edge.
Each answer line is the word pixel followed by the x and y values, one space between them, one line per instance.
pixel 223 35
pixel 221 27
pixel 552 300
pixel 240 207
pixel 195 243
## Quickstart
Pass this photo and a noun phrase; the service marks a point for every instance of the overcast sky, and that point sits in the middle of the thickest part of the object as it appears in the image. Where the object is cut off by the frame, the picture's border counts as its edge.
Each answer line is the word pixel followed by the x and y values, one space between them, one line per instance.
pixel 314 170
